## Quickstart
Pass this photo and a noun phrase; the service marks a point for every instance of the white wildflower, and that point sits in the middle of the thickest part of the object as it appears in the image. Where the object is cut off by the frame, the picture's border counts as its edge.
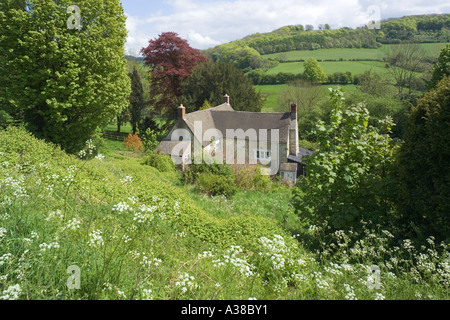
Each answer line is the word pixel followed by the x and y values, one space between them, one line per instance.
pixel 73 225
pixel 350 292
pixel 100 157
pixel 379 296
pixel 2 232
pixel 55 215
pixel 186 282
pixel 44 246
pixel 147 294
pixel 12 293
pixel 122 207
pixel 126 180
pixel 5 258
pixel 96 239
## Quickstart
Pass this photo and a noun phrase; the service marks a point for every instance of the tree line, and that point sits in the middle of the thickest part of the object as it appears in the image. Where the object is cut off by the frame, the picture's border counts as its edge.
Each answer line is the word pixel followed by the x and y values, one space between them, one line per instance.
pixel 246 54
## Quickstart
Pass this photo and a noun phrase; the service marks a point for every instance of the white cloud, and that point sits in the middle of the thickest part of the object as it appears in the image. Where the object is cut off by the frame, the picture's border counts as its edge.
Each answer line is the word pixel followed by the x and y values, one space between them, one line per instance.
pixel 208 23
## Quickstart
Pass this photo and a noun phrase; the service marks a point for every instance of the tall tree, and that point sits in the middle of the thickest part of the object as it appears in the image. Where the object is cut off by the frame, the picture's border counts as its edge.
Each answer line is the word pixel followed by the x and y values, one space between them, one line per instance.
pixel 442 67
pixel 313 71
pixel 65 73
pixel 405 61
pixel 424 166
pixel 171 60
pixel 136 100
pixel 212 80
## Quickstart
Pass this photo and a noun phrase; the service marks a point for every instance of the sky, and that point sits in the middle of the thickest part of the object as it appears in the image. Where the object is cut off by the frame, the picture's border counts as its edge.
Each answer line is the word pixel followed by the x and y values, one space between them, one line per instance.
pixel 208 23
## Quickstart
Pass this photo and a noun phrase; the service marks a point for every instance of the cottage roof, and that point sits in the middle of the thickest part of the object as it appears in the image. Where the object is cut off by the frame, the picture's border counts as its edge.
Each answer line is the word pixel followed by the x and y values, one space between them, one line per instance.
pixel 223 117
pixel 167 146
pixel 301 153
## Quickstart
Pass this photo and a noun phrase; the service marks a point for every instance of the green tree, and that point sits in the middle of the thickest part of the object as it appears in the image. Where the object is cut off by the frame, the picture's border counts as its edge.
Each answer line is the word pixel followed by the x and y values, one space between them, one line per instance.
pixel 123 118
pixel 313 71
pixel 136 100
pixel 211 81
pixel 405 61
pixel 63 82
pixel 349 179
pixel 442 67
pixel 424 166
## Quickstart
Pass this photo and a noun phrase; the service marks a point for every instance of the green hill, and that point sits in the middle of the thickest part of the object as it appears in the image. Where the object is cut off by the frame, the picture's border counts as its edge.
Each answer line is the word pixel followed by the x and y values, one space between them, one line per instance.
pixel 247 53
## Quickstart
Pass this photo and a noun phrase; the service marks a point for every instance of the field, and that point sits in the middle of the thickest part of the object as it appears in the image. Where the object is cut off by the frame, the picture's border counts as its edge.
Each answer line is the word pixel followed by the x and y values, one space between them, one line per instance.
pixel 270 94
pixel 348 54
pixel 342 62
pixel 330 67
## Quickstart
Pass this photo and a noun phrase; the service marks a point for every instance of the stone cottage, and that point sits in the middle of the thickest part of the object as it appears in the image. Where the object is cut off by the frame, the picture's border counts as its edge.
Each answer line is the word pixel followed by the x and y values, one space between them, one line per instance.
pixel 224 135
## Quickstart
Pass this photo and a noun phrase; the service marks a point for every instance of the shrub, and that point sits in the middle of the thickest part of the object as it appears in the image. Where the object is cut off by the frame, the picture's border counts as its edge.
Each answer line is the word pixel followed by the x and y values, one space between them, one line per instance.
pixel 162 162
pixel 250 178
pixel 133 142
pixel 216 185
pixel 191 175
pixel 150 140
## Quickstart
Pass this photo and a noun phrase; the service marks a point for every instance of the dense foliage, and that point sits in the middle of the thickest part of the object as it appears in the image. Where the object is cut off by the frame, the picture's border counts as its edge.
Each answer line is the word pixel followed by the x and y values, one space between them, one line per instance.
pixel 442 67
pixel 211 81
pixel 63 83
pixel 424 166
pixel 136 100
pixel 348 179
pixel 171 60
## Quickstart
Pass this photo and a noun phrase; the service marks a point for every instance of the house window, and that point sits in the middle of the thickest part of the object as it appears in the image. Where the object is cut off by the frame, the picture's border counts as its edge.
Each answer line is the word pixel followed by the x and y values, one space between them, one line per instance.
pixel 263 155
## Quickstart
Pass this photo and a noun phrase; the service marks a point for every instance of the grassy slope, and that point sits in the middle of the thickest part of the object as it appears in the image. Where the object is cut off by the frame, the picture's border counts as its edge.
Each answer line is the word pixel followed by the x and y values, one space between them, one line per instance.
pixel 349 54
pixel 136 233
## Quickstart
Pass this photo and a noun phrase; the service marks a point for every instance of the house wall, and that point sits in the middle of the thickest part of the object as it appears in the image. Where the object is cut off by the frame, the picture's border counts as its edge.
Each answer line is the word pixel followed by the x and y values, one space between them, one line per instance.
pixel 247 151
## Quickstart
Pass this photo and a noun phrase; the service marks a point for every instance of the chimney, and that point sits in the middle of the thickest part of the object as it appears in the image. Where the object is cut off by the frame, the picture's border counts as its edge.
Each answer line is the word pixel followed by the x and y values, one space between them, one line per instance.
pixel 181 112
pixel 294 111
pixel 293 131
pixel 226 99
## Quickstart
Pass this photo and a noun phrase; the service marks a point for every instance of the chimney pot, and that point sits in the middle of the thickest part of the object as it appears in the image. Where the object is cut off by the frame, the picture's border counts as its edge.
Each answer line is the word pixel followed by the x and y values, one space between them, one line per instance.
pixel 294 109
pixel 226 99
pixel 182 112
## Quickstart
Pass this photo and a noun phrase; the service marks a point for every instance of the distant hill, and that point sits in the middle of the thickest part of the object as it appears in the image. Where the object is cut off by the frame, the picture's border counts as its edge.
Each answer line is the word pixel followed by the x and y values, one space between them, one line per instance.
pixel 131 58
pixel 246 54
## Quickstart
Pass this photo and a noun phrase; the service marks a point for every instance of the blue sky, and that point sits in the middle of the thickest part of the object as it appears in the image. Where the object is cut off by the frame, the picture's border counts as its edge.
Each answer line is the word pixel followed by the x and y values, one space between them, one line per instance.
pixel 207 23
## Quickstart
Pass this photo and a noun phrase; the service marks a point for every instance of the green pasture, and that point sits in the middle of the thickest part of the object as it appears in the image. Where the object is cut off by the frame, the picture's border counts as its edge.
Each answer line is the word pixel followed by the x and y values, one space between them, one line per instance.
pixel 432 49
pixel 330 67
pixel 270 94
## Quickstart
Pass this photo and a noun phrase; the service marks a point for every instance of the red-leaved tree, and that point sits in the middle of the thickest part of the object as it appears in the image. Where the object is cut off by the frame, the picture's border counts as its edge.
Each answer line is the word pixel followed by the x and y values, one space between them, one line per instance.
pixel 171 60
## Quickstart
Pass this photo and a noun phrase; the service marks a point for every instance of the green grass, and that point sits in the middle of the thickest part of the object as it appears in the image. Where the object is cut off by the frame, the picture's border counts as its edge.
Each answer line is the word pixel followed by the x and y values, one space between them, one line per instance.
pixel 125 128
pixel 432 49
pixel 270 95
pixel 271 92
pixel 330 67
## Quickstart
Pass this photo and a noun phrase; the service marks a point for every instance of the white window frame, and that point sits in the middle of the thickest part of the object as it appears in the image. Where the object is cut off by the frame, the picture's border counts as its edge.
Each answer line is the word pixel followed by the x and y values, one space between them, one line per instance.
pixel 267 154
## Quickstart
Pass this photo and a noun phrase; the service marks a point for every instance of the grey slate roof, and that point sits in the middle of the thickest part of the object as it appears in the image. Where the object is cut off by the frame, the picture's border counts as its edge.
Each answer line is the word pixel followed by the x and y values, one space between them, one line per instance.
pixel 166 146
pixel 223 117
pixel 301 153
